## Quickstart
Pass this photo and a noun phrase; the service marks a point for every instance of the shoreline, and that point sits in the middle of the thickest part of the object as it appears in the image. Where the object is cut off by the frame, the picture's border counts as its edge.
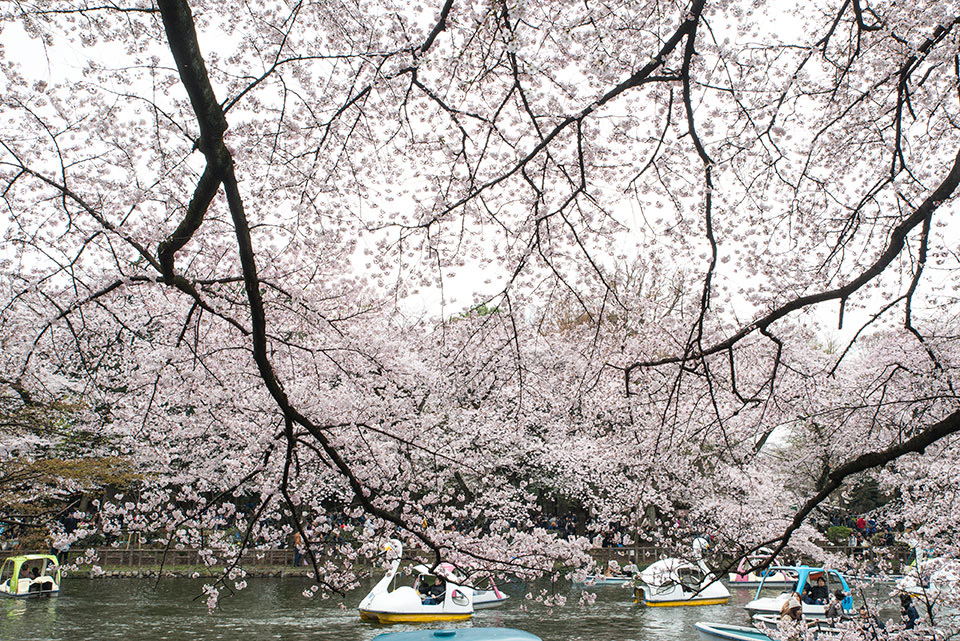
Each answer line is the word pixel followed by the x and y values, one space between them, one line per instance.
pixel 145 562
pixel 181 572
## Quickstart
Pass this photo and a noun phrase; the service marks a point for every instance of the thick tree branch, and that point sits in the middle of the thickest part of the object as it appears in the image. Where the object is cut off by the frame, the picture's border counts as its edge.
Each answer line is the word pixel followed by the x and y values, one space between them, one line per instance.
pixel 178 22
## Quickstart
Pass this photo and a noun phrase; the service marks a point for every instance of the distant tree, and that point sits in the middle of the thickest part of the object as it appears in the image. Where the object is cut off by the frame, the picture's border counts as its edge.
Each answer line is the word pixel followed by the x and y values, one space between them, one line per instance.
pixel 51 453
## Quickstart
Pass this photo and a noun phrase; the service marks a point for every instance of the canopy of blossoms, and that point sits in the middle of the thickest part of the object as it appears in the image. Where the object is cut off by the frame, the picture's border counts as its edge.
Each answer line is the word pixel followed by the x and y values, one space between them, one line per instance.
pixel 426 266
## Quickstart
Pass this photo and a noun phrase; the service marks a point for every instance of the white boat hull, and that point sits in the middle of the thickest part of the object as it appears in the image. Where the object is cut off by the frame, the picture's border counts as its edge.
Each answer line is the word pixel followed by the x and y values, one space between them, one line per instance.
pixel 485 599
pixel 745 576
pixel 592 580
pixel 404 605
pixel 681 597
pixel 772 605
pixel 752 580
pixel 723 632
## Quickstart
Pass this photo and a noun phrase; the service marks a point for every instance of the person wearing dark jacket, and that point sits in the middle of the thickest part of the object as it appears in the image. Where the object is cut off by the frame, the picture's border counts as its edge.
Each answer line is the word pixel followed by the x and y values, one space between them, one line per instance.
pixel 817 593
pixel 435 592
pixel 908 612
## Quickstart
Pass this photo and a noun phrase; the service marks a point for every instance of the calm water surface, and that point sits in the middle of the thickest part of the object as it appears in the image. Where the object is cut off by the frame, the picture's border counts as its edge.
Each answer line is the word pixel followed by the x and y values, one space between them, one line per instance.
pixel 133 610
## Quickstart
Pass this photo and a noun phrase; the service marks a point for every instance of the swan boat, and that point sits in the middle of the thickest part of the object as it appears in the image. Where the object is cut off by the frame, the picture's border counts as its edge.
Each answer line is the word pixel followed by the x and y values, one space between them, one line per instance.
pixel 745 576
pixel 800 575
pixel 482 599
pixel 30 575
pixel 673 582
pixel 405 604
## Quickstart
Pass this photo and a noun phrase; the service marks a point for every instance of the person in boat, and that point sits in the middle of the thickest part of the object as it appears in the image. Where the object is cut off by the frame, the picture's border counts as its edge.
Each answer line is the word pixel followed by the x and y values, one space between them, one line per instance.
pixel 792 626
pixel 35 585
pixel 835 606
pixel 609 572
pixel 434 593
pixel 817 593
pixel 792 609
pixel 631 568
pixel 908 612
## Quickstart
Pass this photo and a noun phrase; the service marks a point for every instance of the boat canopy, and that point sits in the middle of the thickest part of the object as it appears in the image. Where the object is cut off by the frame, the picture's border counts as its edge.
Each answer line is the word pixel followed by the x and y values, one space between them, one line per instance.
pixel 803 573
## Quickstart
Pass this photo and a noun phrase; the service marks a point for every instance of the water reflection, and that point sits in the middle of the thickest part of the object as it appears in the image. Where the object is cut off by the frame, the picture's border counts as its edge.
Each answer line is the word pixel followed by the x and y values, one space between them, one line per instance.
pixel 136 610
pixel 18 616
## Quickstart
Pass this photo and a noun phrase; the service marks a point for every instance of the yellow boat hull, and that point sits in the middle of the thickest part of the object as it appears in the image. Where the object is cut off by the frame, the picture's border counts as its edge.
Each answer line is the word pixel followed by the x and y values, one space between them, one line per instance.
pixel 398 617
pixel 667 604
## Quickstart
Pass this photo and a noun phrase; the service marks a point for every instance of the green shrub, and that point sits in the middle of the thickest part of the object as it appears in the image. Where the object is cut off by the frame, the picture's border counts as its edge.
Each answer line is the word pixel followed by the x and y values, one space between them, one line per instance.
pixel 838 534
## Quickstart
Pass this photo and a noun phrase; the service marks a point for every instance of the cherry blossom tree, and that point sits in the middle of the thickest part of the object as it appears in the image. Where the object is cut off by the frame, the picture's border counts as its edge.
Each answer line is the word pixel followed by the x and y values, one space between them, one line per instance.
pixel 220 221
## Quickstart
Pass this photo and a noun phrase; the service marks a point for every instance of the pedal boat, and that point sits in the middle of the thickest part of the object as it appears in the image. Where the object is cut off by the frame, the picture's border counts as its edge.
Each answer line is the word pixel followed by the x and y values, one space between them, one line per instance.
pixel 923 577
pixel 674 582
pixel 404 604
pixel 746 577
pixel 725 632
pixel 599 580
pixel 800 575
pixel 765 628
pixel 16 580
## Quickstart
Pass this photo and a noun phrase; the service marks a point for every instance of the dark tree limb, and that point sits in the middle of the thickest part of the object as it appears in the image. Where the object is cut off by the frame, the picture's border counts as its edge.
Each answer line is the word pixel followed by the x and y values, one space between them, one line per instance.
pixel 893 248
pixel 182 37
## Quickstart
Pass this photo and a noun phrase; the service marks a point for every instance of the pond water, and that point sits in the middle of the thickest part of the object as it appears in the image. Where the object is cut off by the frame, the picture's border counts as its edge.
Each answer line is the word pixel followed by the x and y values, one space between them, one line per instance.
pixel 136 610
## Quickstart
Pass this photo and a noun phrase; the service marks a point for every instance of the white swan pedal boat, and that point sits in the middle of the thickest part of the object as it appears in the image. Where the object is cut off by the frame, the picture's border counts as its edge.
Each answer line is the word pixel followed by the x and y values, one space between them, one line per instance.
pixel 674 582
pixel 406 604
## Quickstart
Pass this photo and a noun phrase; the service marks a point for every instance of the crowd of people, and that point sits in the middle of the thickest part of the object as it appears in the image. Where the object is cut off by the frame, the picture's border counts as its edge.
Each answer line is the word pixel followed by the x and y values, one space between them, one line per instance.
pixel 864 530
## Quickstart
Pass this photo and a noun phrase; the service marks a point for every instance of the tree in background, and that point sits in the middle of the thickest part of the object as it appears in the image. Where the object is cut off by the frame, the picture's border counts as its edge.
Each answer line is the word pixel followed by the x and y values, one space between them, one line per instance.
pixel 51 455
